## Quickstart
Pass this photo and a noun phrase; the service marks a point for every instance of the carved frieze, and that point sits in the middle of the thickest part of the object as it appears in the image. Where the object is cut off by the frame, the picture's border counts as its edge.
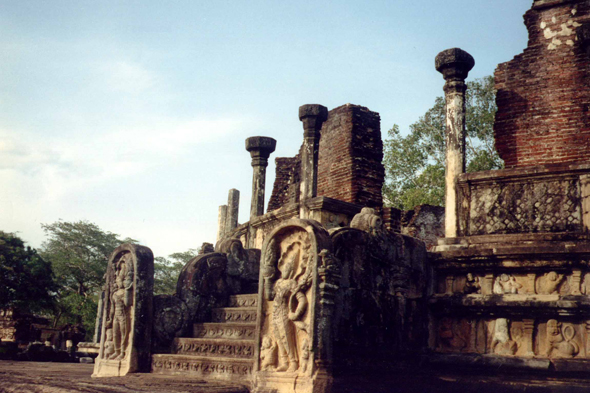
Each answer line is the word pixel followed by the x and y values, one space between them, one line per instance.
pixel 224 348
pixel 200 366
pixel 550 338
pixel 521 282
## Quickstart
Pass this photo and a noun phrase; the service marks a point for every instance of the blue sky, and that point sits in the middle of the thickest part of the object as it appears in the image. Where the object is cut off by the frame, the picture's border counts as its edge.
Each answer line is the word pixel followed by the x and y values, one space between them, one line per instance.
pixel 133 114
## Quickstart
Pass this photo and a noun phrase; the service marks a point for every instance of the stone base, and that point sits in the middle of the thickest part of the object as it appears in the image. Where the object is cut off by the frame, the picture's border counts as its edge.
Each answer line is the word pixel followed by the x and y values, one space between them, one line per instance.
pixel 267 382
pixel 113 368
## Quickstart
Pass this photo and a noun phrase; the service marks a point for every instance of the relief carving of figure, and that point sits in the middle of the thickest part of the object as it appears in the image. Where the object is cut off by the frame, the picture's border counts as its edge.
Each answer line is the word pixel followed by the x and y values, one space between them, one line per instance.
pixel 121 299
pixel 560 341
pixel 502 344
pixel 506 284
pixel 268 354
pixel 451 338
pixel 550 283
pixel 472 284
pixel 290 302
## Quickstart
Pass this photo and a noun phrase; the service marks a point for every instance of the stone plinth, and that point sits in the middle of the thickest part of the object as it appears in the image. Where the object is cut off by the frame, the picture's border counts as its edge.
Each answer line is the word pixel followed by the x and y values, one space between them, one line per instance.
pixel 125 342
pixel 515 284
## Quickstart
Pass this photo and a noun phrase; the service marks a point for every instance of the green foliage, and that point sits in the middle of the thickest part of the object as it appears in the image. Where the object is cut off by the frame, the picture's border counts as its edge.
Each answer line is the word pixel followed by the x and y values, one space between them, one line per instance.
pixel 26 279
pixel 79 253
pixel 167 270
pixel 414 164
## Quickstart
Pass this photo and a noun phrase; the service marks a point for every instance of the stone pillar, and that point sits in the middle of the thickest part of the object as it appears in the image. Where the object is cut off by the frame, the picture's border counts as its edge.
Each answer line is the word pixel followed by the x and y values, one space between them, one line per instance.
pixel 233 208
pixel 260 148
pixel 455 65
pixel 312 116
pixel 221 220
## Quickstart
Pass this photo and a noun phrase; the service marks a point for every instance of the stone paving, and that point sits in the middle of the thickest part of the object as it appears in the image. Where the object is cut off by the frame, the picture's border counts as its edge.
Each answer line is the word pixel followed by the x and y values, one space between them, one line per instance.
pixel 35 377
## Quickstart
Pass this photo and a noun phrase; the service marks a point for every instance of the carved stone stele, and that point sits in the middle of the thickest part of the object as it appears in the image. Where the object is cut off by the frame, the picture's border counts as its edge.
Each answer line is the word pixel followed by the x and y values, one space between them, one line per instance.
pixel 127 313
pixel 298 282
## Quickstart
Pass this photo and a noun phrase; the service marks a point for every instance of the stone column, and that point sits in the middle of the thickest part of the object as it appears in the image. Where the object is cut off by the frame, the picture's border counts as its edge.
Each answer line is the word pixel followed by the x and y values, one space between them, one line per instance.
pixel 455 65
pixel 221 220
pixel 312 116
pixel 260 148
pixel 233 209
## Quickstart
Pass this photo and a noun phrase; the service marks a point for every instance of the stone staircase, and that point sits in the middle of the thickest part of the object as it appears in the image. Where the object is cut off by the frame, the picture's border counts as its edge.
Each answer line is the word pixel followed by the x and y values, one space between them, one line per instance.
pixel 222 349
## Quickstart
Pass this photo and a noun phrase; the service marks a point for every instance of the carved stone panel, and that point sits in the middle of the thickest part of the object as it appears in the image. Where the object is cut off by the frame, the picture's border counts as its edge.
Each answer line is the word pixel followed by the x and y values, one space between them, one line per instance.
pixel 127 313
pixel 298 278
pixel 524 207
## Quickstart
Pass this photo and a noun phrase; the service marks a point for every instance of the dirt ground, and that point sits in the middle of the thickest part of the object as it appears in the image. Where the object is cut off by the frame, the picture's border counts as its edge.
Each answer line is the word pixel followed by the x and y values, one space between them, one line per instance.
pixel 37 377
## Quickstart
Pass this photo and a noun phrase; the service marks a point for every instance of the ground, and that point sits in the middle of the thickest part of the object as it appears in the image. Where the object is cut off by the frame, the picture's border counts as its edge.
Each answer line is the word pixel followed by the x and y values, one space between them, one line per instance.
pixel 35 377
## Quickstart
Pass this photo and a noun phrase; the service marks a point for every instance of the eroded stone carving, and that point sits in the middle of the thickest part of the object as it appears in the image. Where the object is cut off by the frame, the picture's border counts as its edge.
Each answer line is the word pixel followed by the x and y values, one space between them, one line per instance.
pixel 367 220
pixel 453 337
pixel 502 344
pixel 296 294
pixel 472 284
pixel 268 354
pixel 549 284
pixel 506 284
pixel 286 288
pixel 127 312
pixel 121 300
pixel 560 340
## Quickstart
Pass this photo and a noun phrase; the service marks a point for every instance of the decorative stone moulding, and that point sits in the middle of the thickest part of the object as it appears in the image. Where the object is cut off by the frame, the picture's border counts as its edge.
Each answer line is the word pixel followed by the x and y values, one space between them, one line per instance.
pixel 127 313
pixel 298 282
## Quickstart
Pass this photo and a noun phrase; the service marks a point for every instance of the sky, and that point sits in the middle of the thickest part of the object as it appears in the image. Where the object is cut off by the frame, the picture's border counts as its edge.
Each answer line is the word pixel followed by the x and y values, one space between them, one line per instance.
pixel 133 114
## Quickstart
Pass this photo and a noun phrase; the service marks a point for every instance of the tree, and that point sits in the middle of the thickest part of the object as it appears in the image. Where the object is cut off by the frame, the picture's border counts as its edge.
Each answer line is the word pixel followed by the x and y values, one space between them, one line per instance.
pixel 79 253
pixel 167 270
pixel 26 279
pixel 415 163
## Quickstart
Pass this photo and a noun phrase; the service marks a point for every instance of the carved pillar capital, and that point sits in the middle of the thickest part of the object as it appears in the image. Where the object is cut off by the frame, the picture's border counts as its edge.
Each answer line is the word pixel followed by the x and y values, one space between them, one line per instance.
pixel 260 148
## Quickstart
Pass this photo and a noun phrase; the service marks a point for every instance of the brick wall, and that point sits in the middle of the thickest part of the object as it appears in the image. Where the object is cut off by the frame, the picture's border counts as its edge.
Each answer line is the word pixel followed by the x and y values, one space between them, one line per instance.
pixel 286 182
pixel 350 156
pixel 543 94
pixel 349 167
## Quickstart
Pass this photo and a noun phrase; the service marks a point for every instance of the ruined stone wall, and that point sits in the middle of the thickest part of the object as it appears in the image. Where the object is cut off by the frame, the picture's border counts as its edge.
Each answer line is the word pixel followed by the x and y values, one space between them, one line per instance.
pixel 286 180
pixel 543 96
pixel 349 167
pixel 350 156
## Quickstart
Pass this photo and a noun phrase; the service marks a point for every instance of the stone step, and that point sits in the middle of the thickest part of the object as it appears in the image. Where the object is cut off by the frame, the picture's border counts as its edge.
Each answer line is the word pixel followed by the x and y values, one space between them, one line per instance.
pixel 210 347
pixel 233 314
pixel 223 369
pixel 225 330
pixel 249 300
